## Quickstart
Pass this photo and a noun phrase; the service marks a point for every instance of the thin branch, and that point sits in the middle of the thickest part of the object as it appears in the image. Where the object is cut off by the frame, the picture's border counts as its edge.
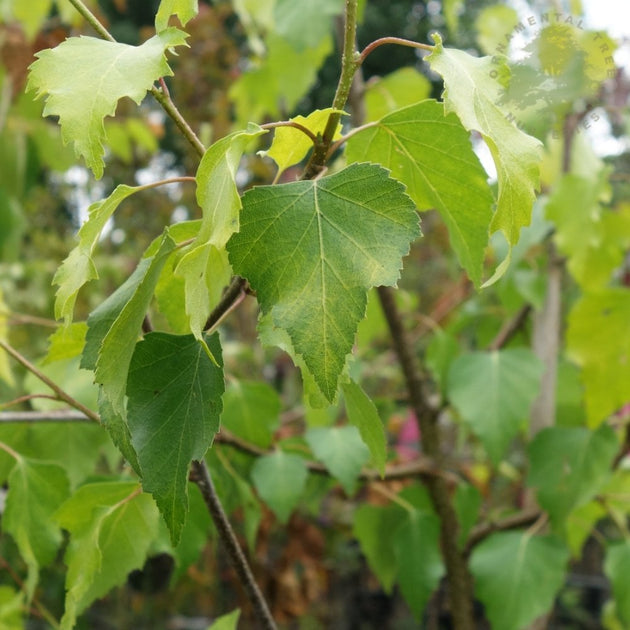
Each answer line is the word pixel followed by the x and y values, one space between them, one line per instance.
pixel 161 95
pixel 201 476
pixel 43 612
pixel 147 326
pixel 510 328
pixel 514 521
pixel 56 415
pixel 92 20
pixel 291 123
pixel 26 398
pixel 61 394
pixel 231 298
pixel 421 467
pixel 349 65
pixel 460 591
pixel 335 145
pixel 417 468
pixel 17 319
pixel 393 40
pixel 164 99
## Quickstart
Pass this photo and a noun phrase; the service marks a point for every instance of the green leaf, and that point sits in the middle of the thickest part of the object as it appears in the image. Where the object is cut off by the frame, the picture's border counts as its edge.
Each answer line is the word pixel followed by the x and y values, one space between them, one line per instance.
pixel 174 392
pixel 290 145
pixel 467 503
pixel 432 155
pixel 305 23
pixel 594 240
pixel 517 576
pixel 31 15
pixel 78 268
pixel 77 448
pixel 280 479
pixel 66 374
pixel 598 340
pixel 473 86
pixel 127 307
pixel 185 10
pixel 312 249
pixel 204 267
pixel 493 392
pixel 116 425
pixel 112 524
pixel 568 466
pixel 580 525
pixel 341 450
pixel 36 490
pixel 250 505
pixel 226 622
pixel 373 527
pixel 11 609
pixel 217 194
pixel 251 410
pixel 195 534
pixel 363 414
pixel 417 550
pixel 617 569
pixel 66 342
pixel 170 291
pixel 205 271
pixel 271 336
pixel 398 89
pixel 83 79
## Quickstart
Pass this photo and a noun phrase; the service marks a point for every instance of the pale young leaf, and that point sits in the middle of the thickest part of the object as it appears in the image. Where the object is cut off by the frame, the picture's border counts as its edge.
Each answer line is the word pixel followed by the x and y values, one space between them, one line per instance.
pixel 83 78
pixel 473 86
pixel 78 268
pixel 185 10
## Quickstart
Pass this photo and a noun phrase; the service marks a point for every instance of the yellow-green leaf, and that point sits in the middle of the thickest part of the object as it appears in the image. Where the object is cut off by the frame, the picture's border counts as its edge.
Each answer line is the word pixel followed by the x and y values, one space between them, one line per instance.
pixel 84 78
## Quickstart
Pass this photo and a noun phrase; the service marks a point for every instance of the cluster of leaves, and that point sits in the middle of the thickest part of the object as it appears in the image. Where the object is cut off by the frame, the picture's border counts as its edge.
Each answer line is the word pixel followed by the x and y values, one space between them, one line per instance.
pixel 313 251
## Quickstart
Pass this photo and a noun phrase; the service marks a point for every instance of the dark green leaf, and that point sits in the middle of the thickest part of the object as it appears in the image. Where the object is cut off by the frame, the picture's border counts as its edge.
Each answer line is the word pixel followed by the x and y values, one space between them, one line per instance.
pixel 173 412
pixel 280 479
pixel 432 155
pixel 112 525
pixel 373 528
pixel 568 466
pixel 417 550
pixel 341 450
pixel 363 414
pixel 312 249
pixel 36 490
pixel 517 576
pixel 493 392
pixel 617 568
pixel 251 410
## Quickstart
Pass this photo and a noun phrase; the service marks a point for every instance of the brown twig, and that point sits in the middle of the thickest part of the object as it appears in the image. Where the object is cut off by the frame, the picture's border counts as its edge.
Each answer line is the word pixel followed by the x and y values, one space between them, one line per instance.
pixel 61 394
pixel 201 476
pixel 230 299
pixel 514 521
pixel 460 591
pixel 510 328
pixel 399 41
pixel 291 123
